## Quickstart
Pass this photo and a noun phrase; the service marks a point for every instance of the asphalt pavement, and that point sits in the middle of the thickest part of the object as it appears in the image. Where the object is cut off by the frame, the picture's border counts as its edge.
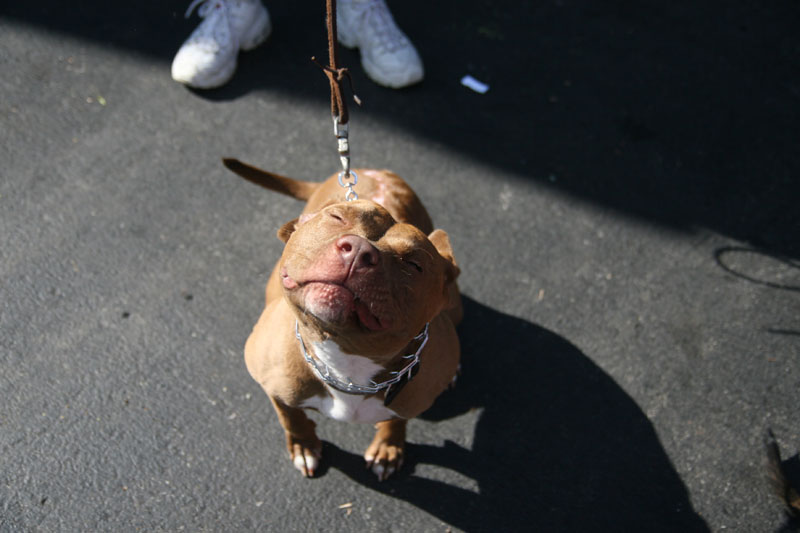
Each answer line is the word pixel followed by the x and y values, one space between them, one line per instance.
pixel 623 203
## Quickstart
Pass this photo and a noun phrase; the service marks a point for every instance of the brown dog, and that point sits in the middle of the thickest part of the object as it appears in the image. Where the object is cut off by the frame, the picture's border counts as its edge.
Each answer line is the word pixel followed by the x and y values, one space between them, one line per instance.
pixel 360 313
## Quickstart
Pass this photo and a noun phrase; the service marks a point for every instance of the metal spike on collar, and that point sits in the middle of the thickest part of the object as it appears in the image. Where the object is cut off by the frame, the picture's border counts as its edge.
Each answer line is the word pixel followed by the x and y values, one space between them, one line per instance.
pixel 322 371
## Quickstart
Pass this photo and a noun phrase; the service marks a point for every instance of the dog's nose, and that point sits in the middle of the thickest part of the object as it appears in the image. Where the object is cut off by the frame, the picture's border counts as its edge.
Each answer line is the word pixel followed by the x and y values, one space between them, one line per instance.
pixel 357 251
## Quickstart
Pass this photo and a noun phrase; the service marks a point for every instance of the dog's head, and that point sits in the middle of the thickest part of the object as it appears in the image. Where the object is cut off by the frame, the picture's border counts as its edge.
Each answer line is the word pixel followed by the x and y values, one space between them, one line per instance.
pixel 363 277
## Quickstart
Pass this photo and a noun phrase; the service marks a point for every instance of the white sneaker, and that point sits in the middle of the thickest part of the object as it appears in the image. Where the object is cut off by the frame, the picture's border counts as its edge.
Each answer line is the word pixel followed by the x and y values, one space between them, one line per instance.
pixel 208 57
pixel 387 55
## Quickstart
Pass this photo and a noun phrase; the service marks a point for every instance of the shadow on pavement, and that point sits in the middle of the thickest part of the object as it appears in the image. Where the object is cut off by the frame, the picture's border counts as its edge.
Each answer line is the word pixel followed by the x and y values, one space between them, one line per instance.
pixel 760 268
pixel 558 447
pixel 682 114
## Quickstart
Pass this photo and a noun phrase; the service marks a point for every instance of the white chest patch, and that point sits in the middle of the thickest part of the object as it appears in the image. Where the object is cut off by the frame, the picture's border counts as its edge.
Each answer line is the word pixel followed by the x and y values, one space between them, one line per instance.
pixel 342 406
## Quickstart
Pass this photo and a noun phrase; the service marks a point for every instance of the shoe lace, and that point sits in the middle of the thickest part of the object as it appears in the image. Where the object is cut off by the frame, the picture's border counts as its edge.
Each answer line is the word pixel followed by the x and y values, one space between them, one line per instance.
pixel 377 17
pixel 205 8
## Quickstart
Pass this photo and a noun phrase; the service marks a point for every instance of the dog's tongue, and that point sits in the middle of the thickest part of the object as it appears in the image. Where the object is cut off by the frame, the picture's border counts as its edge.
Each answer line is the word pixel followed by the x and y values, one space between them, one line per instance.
pixel 369 320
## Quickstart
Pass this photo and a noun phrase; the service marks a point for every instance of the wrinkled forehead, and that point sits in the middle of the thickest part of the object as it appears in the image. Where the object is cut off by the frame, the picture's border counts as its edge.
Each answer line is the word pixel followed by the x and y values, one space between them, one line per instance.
pixel 403 239
pixel 373 219
pixel 378 226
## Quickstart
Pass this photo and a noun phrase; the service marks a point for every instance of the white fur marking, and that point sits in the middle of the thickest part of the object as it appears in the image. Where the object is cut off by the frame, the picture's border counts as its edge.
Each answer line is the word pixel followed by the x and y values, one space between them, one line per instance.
pixel 306 462
pixel 342 406
pixel 311 462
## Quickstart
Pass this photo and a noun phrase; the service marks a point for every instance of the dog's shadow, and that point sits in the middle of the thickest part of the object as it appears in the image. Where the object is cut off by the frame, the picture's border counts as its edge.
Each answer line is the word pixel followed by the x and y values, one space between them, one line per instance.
pixel 559 445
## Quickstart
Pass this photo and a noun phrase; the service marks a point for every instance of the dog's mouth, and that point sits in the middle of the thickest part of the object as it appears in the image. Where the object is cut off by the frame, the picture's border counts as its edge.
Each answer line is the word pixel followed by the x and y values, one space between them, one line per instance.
pixel 338 305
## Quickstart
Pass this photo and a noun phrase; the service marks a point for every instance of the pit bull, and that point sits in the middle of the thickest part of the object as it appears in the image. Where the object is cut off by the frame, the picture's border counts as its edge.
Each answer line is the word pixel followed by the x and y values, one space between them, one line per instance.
pixel 360 314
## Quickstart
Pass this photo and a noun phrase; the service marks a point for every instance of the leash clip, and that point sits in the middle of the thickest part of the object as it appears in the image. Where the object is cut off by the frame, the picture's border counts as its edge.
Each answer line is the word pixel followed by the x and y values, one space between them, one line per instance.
pixel 342 131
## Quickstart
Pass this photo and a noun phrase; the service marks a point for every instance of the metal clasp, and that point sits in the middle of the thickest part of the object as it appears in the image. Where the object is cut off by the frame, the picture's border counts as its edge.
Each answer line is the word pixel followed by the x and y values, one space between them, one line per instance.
pixel 343 144
pixel 350 195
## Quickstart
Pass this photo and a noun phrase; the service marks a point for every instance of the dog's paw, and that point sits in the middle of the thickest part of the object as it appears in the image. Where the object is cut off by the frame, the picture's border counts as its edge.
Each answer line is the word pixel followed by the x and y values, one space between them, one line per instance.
pixel 384 458
pixel 305 455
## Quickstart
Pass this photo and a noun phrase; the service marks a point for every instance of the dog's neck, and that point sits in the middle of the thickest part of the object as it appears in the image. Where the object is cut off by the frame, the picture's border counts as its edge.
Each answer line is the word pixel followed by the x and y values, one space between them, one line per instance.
pixel 345 368
pixel 359 374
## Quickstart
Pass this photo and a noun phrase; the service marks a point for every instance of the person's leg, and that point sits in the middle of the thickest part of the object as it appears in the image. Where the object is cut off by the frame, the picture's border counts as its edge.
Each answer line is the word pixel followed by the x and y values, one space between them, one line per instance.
pixel 388 56
pixel 208 57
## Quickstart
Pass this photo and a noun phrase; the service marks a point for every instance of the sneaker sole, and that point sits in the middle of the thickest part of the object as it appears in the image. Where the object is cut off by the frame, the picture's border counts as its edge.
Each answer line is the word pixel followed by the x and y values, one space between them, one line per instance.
pixel 257 33
pixel 394 79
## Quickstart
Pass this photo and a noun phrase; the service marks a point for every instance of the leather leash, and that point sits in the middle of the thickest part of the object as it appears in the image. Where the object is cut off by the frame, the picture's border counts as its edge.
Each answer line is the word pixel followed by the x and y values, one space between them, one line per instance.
pixel 341 117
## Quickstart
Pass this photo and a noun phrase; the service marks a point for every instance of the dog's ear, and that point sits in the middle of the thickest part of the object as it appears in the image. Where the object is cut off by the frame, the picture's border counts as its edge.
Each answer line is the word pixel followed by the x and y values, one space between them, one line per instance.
pixel 441 242
pixel 287 229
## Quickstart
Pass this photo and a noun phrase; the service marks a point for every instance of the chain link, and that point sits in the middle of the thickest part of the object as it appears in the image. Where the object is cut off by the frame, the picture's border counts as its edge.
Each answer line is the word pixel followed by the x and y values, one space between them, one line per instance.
pixel 323 371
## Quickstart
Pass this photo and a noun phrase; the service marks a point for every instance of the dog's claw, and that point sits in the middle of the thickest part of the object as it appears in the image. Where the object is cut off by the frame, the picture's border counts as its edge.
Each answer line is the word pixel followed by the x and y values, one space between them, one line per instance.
pixel 452 384
pixel 307 464
pixel 306 460
pixel 387 461
pixel 383 471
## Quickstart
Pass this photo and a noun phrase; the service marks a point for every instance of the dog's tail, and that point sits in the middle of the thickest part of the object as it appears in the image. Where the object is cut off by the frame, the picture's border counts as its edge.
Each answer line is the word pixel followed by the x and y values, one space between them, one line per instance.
pixel 301 190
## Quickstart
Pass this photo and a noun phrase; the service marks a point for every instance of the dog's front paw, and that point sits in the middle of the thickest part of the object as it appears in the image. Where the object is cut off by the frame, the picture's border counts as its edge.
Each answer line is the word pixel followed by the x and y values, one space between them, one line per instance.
pixel 385 455
pixel 384 459
pixel 305 455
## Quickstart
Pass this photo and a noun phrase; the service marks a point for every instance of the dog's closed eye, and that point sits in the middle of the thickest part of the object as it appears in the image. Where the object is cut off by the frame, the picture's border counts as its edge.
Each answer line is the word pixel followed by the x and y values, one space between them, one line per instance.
pixel 336 216
pixel 417 265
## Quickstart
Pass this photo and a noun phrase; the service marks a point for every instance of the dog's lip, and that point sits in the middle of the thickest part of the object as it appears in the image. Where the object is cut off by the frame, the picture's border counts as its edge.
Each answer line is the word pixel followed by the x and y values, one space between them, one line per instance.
pixel 287 280
pixel 361 310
